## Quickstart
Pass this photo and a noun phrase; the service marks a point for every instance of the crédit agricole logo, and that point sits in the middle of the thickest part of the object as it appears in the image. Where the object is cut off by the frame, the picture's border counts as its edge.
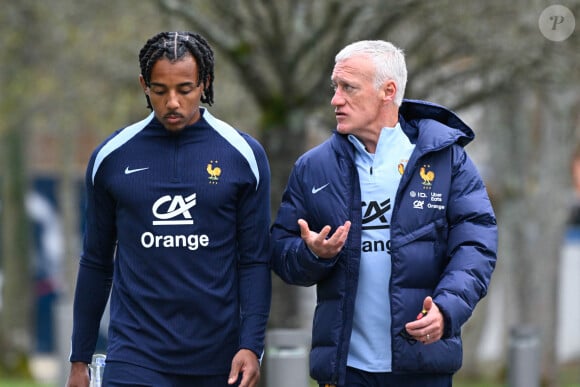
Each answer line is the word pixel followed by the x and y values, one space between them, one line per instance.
pixel 174 211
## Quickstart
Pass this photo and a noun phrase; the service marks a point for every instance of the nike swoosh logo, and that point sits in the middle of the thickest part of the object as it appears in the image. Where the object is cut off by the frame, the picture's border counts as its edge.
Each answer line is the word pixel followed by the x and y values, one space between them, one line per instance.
pixel 130 171
pixel 316 190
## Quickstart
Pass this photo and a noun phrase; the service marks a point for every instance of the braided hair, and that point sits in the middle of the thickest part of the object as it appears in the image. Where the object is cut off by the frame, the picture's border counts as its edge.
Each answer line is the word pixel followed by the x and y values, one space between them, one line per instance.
pixel 175 46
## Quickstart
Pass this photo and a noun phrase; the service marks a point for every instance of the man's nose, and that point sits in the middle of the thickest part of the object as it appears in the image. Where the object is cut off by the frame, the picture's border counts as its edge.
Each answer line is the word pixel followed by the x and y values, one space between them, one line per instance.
pixel 337 99
pixel 172 101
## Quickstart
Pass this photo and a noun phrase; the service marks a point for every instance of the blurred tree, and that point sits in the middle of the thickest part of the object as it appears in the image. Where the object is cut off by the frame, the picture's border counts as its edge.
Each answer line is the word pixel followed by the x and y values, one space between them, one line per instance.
pixel 17 80
pixel 538 125
pixel 55 57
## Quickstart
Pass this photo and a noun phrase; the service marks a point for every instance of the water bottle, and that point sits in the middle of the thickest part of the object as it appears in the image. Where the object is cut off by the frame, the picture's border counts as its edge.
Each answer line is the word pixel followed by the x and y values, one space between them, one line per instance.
pixel 97 368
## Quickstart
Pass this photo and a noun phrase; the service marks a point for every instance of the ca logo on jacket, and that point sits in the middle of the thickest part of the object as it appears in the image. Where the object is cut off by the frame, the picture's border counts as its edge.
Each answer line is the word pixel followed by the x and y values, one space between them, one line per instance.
pixel 177 212
pixel 174 210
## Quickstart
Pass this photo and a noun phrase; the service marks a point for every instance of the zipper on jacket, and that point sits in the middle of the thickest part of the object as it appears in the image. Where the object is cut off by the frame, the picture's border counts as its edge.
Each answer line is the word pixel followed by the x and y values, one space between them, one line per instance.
pixel 175 175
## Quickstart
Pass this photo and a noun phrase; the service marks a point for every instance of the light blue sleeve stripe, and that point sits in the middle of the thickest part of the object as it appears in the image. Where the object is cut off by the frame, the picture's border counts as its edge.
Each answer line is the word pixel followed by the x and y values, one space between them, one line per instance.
pixel 233 137
pixel 116 142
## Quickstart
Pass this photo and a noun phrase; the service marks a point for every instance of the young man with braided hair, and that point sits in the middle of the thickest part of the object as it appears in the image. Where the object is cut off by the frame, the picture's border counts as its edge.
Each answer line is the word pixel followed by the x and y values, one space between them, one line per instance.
pixel 177 222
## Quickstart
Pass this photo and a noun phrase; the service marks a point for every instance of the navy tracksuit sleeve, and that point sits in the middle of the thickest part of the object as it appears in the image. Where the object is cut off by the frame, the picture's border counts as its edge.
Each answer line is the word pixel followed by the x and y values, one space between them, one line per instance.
pixel 254 252
pixel 95 271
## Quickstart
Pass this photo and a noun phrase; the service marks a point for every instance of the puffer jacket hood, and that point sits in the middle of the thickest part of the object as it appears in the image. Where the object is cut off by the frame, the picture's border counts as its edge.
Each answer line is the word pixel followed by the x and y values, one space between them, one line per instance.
pixel 414 110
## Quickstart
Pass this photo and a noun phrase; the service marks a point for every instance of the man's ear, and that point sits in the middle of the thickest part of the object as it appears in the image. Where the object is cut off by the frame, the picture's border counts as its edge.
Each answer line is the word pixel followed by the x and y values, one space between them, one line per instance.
pixel 143 84
pixel 389 90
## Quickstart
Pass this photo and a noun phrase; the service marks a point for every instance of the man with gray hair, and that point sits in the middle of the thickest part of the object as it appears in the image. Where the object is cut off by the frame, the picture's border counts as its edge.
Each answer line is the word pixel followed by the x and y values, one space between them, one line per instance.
pixel 391 220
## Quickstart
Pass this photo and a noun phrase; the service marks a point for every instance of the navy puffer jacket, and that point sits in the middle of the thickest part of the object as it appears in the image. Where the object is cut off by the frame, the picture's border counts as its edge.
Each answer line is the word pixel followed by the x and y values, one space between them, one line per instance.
pixel 443 241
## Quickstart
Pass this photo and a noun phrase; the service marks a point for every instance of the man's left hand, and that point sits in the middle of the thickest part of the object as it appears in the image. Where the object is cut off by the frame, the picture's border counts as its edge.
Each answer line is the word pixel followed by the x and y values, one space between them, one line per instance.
pixel 245 363
pixel 429 325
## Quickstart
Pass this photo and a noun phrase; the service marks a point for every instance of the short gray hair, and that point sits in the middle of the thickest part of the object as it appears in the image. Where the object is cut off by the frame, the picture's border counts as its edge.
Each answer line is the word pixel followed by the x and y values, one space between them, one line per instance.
pixel 389 62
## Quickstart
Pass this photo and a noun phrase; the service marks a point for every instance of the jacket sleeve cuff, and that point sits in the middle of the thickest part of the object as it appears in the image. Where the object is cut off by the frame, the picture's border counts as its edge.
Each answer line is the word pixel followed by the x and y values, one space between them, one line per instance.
pixel 447 325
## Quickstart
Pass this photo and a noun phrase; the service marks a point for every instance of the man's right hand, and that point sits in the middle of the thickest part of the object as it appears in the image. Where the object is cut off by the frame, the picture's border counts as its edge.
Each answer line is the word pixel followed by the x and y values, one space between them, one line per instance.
pixel 319 243
pixel 79 375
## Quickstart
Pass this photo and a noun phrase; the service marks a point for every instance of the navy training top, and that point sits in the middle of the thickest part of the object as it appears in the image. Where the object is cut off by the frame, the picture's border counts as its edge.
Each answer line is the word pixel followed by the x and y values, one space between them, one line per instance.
pixel 178 224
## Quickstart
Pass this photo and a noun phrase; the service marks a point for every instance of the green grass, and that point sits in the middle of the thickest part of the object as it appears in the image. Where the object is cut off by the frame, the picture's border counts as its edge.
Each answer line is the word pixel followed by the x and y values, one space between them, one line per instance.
pixel 22 383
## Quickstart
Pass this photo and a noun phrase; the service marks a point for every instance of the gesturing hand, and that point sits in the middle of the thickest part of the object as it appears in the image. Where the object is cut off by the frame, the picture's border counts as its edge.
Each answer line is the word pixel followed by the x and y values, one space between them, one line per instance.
pixel 319 243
